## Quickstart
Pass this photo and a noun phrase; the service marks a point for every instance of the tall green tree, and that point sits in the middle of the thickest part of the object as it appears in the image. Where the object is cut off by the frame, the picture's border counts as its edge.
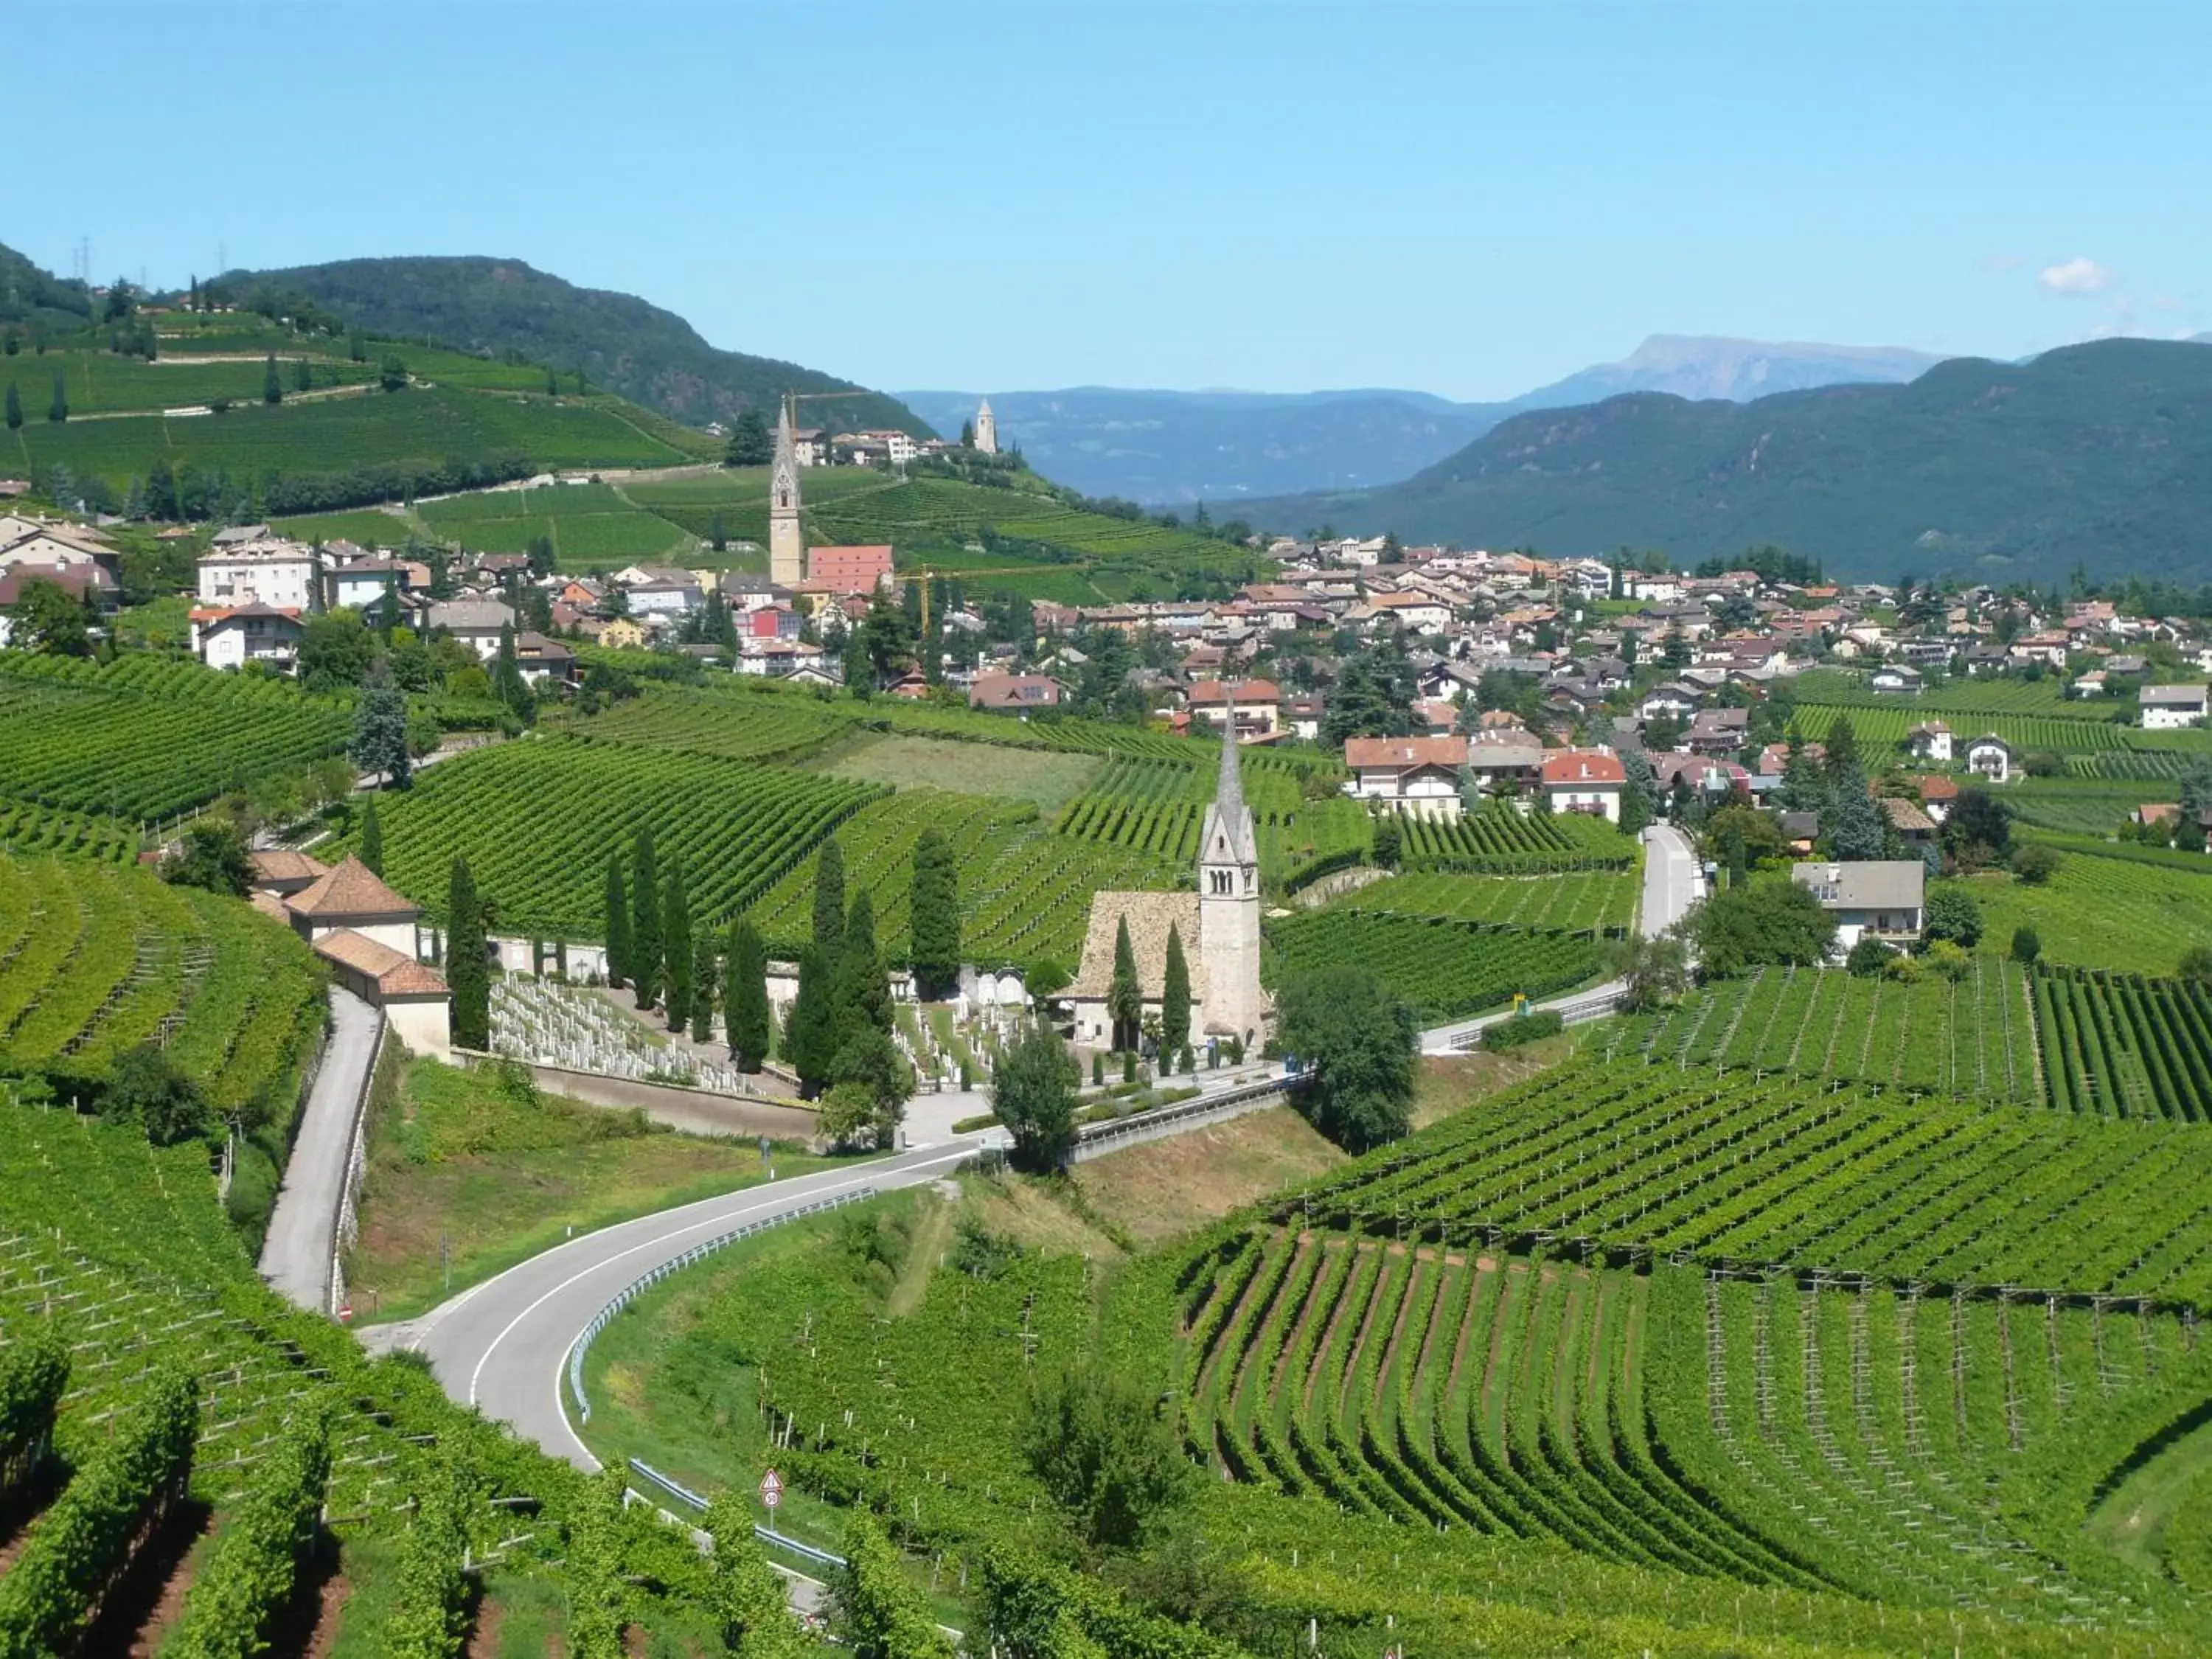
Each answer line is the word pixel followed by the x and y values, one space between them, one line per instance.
pixel 467 973
pixel 272 388
pixel 644 963
pixel 49 619
pixel 1125 996
pixel 372 838
pixel 830 895
pixel 1359 1041
pixel 676 946
pixel 745 1013
pixel 1175 998
pixel 379 728
pixel 618 919
pixel 750 444
pixel 1033 1091
pixel 864 992
pixel 935 918
pixel 14 407
pixel 702 987
pixel 809 1035
pixel 57 408
pixel 303 374
pixel 507 679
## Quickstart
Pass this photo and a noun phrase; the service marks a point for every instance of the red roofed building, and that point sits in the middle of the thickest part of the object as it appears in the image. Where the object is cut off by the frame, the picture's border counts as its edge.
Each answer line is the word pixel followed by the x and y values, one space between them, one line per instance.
pixel 1417 775
pixel 1588 780
pixel 850 569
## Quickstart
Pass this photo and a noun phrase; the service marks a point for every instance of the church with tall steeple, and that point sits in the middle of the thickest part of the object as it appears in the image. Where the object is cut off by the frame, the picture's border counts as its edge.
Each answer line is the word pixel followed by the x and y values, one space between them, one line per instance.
pixel 1217 927
pixel 987 430
pixel 787 544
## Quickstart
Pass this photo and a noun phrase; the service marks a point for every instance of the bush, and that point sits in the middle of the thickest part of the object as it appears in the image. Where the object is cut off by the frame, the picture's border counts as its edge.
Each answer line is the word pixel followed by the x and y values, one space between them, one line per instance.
pixel 2034 863
pixel 1108 1454
pixel 2027 946
pixel 1528 1028
pixel 1869 957
pixel 1952 915
pixel 1948 959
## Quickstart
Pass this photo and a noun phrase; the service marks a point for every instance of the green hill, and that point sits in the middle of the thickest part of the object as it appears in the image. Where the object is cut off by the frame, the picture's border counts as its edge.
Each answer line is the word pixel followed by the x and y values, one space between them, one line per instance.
pixel 2094 453
pixel 622 343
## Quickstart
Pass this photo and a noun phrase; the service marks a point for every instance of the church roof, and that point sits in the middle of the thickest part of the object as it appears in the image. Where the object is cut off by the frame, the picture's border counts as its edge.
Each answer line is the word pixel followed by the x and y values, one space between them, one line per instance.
pixel 1150 916
pixel 1228 835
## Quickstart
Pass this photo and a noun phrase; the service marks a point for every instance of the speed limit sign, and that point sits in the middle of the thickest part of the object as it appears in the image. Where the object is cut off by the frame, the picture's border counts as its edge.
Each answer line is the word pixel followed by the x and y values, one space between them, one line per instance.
pixel 771 1489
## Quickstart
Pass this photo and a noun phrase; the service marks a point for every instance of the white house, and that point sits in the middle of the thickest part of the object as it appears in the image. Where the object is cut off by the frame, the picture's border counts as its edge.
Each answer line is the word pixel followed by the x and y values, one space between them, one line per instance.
pixel 233 637
pixel 1930 740
pixel 1991 757
pixel 1896 679
pixel 476 624
pixel 1420 776
pixel 1588 780
pixel 2170 707
pixel 281 574
pixel 1879 899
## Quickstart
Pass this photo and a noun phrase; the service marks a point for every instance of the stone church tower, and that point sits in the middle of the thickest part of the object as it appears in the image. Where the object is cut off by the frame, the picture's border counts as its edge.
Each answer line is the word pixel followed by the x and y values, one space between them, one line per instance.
pixel 987 430
pixel 786 547
pixel 1229 905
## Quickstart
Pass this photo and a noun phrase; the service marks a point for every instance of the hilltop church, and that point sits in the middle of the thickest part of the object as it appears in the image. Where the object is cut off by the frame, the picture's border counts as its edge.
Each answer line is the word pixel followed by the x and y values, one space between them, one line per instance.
pixel 1218 926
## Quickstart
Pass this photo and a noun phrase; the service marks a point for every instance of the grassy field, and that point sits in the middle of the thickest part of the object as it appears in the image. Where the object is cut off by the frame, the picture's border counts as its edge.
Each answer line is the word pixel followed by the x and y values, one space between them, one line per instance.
pixel 591 526
pixel 476 1165
pixel 1048 777
pixel 1598 898
pixel 2101 913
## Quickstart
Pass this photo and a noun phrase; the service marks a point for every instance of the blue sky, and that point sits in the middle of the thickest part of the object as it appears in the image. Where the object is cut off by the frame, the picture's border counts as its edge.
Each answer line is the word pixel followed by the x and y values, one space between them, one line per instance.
pixel 1470 199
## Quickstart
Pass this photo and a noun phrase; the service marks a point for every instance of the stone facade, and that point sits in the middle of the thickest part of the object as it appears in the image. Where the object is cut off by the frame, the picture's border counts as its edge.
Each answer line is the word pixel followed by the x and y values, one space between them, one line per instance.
pixel 786 545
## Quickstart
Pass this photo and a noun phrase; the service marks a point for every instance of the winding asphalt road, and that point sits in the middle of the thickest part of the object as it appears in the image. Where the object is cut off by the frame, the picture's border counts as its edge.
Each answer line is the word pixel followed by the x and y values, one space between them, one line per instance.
pixel 503 1345
pixel 295 1255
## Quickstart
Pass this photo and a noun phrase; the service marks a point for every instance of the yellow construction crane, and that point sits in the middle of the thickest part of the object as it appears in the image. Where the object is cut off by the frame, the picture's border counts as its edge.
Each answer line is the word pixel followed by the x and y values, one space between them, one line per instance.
pixel 927 575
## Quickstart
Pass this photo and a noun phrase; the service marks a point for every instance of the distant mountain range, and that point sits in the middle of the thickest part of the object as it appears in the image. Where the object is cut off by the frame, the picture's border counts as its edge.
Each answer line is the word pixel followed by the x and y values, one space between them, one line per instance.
pixel 1176 448
pixel 2097 454
pixel 622 343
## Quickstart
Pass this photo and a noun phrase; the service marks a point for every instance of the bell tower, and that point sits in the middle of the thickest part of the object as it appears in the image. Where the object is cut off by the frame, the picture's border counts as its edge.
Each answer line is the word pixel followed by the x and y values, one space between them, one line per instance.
pixel 1229 904
pixel 786 546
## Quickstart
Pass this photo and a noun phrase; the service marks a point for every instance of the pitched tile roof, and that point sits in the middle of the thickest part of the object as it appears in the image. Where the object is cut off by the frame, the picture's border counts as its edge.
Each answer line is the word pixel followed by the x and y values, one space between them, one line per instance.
pixel 352 890
pixel 395 973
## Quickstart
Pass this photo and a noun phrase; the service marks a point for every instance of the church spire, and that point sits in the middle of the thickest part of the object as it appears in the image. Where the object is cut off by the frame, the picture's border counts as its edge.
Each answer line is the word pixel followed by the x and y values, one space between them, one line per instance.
pixel 1227 834
pixel 786 543
pixel 1229 788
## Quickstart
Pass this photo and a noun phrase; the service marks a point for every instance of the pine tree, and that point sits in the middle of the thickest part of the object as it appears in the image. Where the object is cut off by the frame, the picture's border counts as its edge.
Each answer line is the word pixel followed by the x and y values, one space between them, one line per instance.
pixel 829 896
pixel 1174 997
pixel 272 389
pixel 618 925
pixel 644 957
pixel 58 408
pixel 676 946
pixel 811 1033
pixel 14 407
pixel 702 987
pixel 1125 997
pixel 934 918
pixel 466 971
pixel 303 374
pixel 745 997
pixel 372 838
pixel 379 728
pixel 513 690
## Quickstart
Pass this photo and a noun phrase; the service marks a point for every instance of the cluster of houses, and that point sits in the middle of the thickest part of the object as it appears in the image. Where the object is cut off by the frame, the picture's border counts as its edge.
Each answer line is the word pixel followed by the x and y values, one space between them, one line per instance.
pixel 77 558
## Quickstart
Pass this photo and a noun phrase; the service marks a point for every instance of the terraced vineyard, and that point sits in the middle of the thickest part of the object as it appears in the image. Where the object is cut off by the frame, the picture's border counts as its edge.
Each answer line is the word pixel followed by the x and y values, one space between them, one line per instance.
pixel 1025 893
pixel 2126 1044
pixel 95 960
pixel 1691 1165
pixel 149 737
pixel 537 818
pixel 1500 839
pixel 1802 1439
pixel 1158 806
pixel 731 728
pixel 2131 914
pixel 1444 969
pixel 1885 727
pixel 27 828
pixel 1975 1036
pixel 1604 900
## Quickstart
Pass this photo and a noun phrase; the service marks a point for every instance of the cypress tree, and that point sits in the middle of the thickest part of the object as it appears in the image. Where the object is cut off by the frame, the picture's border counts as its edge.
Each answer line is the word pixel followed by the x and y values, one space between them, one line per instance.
pixel 14 407
pixel 863 993
pixel 618 925
pixel 1175 998
pixel 703 989
pixel 935 912
pixel 676 946
pixel 810 1034
pixel 1125 997
pixel 372 838
pixel 829 896
pixel 272 389
pixel 303 377
pixel 745 997
pixel 644 961
pixel 466 972
pixel 58 408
